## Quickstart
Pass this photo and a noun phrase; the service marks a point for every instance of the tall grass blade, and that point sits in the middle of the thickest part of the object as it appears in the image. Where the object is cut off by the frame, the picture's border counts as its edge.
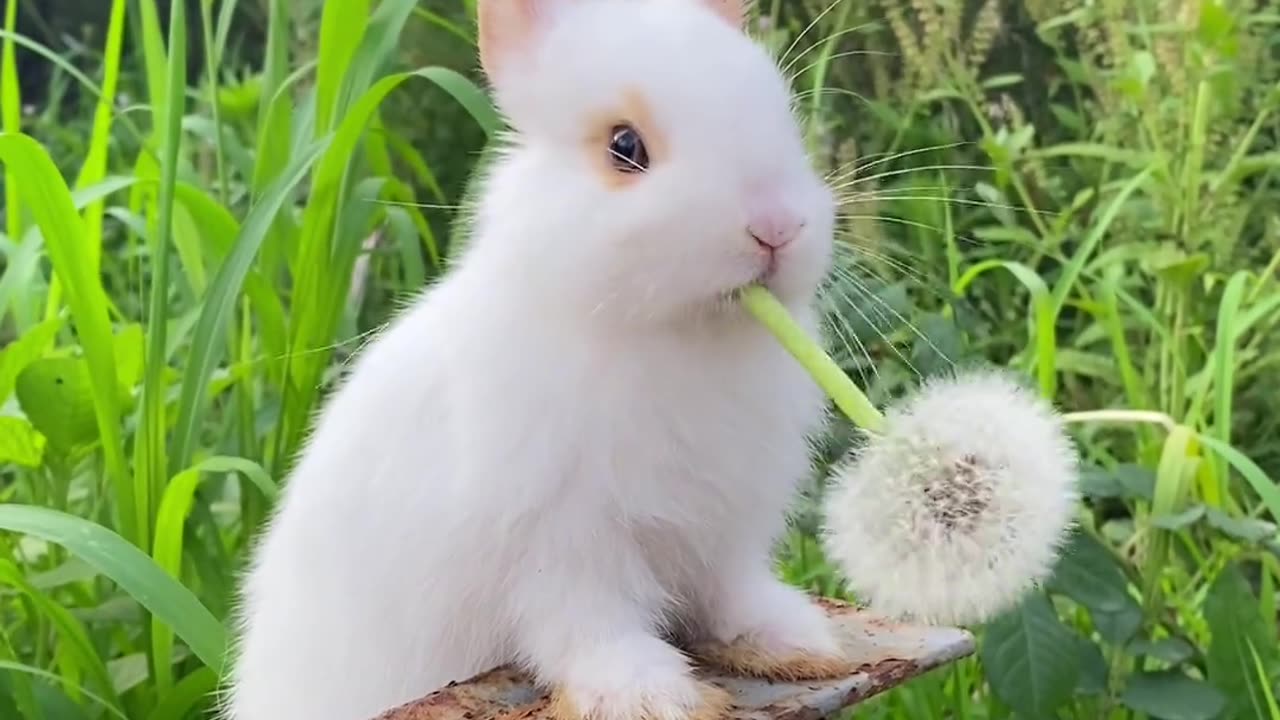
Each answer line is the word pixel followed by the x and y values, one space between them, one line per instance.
pixel 1224 358
pixel 342 28
pixel 94 169
pixel 21 689
pixel 319 279
pixel 213 61
pixel 54 678
pixel 150 456
pixel 45 193
pixel 1062 289
pixel 1257 478
pixel 186 695
pixel 76 652
pixel 1043 342
pixel 95 164
pixel 10 118
pixel 179 497
pixel 129 568
pixel 220 301
pixel 154 58
pixel 276 63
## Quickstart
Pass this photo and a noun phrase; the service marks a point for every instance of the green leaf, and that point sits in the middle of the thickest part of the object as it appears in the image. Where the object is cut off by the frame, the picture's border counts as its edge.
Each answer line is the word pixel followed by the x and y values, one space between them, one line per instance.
pixel 1120 156
pixel 1174 651
pixel 1062 289
pixel 64 708
pixel 29 347
pixel 17 698
pixel 130 346
pixel 1225 365
pixel 1002 81
pixel 1214 25
pixel 1125 481
pixel 469 96
pixel 342 27
pixel 1235 623
pixel 153 54
pixel 1170 695
pixel 76 652
pixel 1031 660
pixel 189 693
pixel 1254 475
pixel 938 347
pixel 1088 573
pixel 1182 520
pixel 1120 626
pixel 72 571
pixel 1174 265
pixel 1246 530
pixel 20 444
pixel 55 703
pixel 1013 234
pixel 861 316
pixel 275 132
pixel 1042 342
pixel 57 395
pixel 128 671
pixel 445 24
pixel 131 569
pixel 1093 668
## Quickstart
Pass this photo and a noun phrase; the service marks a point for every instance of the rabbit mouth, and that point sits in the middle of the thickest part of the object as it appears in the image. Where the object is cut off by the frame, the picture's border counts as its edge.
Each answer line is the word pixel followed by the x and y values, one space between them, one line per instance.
pixel 764 278
pixel 769 270
pixel 765 275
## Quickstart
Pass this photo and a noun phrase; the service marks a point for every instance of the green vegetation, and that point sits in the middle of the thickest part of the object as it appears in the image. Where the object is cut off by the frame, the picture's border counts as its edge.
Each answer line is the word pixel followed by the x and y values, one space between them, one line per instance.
pixel 207 205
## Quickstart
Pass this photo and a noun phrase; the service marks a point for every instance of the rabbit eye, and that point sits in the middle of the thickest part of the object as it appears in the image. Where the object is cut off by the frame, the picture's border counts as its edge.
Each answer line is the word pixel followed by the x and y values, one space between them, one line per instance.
pixel 627 150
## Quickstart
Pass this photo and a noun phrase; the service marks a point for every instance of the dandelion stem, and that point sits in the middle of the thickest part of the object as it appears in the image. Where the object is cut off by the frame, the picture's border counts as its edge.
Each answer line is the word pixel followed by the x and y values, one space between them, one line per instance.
pixel 1122 417
pixel 843 391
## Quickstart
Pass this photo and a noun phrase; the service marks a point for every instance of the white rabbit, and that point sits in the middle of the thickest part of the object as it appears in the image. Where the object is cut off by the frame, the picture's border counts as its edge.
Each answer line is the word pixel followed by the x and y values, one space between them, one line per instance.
pixel 575 451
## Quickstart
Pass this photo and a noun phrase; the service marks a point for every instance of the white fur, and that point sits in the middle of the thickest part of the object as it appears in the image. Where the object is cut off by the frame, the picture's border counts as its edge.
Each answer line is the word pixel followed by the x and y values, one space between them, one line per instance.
pixel 572 443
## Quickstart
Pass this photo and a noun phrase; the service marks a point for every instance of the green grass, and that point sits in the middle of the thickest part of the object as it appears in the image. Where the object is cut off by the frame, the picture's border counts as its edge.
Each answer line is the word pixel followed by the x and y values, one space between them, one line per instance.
pixel 1086 195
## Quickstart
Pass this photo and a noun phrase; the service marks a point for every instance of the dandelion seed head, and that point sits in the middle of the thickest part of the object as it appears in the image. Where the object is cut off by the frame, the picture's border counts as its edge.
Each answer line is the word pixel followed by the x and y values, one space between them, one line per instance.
pixel 959 507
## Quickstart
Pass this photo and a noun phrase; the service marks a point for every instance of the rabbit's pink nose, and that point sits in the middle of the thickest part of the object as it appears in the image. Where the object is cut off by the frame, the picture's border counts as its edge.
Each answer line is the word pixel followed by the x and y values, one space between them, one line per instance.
pixel 774 227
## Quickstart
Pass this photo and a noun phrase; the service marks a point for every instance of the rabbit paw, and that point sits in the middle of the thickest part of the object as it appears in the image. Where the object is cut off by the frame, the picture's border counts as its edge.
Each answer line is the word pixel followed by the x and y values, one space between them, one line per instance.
pixel 711 703
pixel 640 678
pixel 748 657
pixel 770 630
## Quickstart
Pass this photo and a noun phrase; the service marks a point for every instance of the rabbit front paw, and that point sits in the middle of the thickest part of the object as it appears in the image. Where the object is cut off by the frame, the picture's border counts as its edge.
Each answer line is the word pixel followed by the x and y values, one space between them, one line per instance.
pixel 771 630
pixel 641 679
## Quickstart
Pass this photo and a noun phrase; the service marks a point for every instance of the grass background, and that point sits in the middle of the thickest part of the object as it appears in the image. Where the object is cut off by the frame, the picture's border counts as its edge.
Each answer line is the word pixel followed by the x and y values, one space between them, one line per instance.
pixel 208 204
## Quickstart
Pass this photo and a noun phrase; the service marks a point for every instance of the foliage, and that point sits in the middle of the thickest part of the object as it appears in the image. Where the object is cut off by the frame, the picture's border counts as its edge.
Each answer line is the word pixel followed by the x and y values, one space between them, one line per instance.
pixel 184 273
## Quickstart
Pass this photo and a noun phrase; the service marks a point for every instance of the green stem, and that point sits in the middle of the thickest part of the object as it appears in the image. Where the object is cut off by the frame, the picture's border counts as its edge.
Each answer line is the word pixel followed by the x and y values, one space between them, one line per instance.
pixel 1121 416
pixel 821 67
pixel 774 316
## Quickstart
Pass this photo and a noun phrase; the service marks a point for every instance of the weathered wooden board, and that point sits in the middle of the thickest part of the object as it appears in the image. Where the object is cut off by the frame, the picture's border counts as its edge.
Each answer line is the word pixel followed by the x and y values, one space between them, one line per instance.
pixel 889 654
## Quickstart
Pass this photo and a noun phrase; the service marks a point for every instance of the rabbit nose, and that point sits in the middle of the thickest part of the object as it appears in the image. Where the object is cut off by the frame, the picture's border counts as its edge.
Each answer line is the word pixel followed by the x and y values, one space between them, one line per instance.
pixel 774 227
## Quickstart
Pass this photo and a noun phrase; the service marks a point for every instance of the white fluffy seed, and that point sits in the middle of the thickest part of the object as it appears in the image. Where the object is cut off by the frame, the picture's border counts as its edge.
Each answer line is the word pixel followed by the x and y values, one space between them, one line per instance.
pixel 959 507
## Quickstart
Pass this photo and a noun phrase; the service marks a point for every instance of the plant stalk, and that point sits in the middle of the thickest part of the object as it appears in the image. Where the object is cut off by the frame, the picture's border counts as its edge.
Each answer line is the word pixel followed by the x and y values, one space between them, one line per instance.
pixel 843 391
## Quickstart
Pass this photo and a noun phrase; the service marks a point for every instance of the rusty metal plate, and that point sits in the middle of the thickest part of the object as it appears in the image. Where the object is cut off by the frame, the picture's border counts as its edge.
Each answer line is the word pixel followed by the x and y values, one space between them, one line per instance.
pixel 889 654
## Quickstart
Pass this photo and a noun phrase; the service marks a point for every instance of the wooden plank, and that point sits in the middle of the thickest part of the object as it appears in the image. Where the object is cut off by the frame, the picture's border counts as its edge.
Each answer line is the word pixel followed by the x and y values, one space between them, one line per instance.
pixel 889 654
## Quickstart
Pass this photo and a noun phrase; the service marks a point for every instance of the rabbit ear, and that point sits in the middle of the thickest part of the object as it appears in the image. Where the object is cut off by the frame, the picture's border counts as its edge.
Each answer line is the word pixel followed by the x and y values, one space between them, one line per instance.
pixel 733 11
pixel 505 28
